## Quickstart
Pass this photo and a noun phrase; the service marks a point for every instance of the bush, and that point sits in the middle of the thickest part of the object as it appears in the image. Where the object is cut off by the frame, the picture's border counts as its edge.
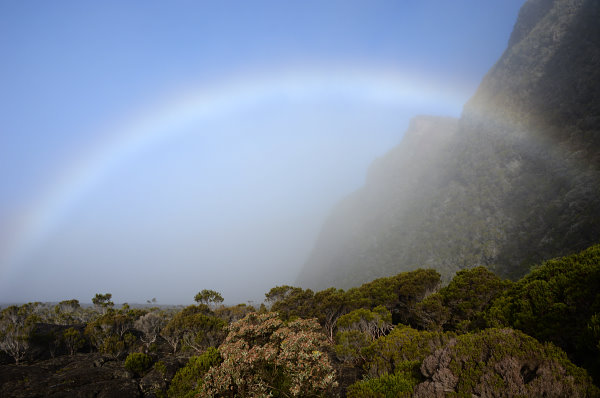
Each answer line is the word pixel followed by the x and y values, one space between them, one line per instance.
pixel 399 384
pixel 262 356
pixel 460 306
pixel 138 363
pixel 187 382
pixel 351 345
pixel 161 368
pixel 73 340
pixel 502 362
pixel 556 302
pixel 388 355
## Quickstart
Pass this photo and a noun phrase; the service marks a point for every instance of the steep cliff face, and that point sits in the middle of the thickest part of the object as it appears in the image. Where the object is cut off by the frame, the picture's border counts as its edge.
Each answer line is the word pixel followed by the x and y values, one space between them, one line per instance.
pixel 513 182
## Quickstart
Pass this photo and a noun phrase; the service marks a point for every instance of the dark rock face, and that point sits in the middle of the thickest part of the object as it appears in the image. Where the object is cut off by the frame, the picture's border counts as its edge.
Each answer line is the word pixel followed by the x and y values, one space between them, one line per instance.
pixel 155 382
pixel 81 376
pixel 85 375
pixel 512 183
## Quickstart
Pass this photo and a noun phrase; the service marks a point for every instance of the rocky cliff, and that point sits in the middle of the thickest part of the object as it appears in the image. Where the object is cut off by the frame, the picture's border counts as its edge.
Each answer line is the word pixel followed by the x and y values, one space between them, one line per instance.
pixel 514 181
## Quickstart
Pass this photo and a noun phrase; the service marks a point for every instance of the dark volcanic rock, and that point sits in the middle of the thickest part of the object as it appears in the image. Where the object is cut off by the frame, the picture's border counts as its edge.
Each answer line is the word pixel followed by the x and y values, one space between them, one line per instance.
pixel 82 375
pixel 155 382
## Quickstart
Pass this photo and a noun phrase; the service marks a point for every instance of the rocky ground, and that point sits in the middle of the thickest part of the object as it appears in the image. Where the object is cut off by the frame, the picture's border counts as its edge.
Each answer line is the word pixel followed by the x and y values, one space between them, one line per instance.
pixel 82 376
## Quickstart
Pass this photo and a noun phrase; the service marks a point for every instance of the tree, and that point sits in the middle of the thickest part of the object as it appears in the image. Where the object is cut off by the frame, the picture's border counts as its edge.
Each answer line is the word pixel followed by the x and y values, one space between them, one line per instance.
pixel 109 335
pixel 150 325
pixel 262 356
pixel 65 311
pixel 330 305
pixel 374 323
pixel 390 353
pixel 290 301
pixel 208 297
pixel 102 301
pixel 414 287
pixel 234 313
pixel 351 345
pixel 196 327
pixel 16 327
pixel 73 340
pixel 431 313
pixel 460 306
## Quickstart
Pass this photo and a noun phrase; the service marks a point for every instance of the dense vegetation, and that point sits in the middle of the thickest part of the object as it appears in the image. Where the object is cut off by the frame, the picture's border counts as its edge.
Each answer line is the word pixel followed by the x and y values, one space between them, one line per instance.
pixel 405 335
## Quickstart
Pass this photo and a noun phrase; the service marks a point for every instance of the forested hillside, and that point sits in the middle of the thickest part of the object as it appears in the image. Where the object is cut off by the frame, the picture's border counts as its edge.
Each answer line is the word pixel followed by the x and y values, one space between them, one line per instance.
pixel 512 183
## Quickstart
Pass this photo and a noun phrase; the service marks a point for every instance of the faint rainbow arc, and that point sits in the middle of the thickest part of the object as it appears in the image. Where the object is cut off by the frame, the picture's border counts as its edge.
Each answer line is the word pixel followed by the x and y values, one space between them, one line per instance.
pixel 169 120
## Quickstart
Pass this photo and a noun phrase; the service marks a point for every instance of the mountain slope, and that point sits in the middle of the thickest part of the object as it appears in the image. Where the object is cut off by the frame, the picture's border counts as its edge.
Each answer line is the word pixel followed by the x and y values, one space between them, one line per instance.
pixel 513 182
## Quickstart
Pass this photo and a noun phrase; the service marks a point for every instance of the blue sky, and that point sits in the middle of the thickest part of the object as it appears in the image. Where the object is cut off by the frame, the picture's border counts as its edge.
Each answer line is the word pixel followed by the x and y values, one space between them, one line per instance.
pixel 233 200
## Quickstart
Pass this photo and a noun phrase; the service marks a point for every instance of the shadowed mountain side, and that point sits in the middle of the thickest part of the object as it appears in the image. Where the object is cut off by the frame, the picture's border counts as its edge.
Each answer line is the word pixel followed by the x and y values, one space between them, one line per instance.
pixel 513 183
pixel 357 243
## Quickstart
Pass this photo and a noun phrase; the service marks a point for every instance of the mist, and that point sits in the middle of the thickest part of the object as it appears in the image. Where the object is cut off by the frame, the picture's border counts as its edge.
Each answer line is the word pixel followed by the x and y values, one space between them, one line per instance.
pixel 232 201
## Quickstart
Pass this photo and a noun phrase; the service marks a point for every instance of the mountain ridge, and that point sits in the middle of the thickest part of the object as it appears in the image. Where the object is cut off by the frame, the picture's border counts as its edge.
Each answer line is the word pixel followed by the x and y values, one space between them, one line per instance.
pixel 512 183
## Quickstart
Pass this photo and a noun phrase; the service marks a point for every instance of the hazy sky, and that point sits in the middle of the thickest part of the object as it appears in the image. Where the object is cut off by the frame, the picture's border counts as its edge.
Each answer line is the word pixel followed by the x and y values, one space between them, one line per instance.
pixel 154 149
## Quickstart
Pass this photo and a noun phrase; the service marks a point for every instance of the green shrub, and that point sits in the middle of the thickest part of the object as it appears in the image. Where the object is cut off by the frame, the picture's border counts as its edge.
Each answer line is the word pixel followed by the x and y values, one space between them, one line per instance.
pixel 502 362
pixel 399 384
pixel 138 363
pixel 351 345
pixel 161 368
pixel 389 353
pixel 73 340
pixel 556 302
pixel 188 380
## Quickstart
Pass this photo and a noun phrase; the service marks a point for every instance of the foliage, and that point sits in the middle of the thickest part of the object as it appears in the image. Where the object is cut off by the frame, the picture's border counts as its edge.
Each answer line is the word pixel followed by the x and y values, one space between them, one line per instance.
pixel 138 363
pixel 412 288
pixel 399 293
pixel 460 306
pixel 102 301
pixel 161 368
pixel 329 305
pixel 207 297
pixel 431 313
pixel 233 313
pixel 398 384
pixel 16 327
pixel 388 354
pixel 73 340
pixel 196 328
pixel 67 312
pixel 374 323
pixel 351 345
pixel 291 302
pixel 188 380
pixel 502 362
pixel 556 302
pixel 110 334
pixel 150 325
pixel 262 355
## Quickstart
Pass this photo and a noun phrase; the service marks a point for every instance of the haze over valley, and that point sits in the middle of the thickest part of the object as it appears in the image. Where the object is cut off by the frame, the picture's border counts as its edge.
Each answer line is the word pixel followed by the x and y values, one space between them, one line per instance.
pixel 152 150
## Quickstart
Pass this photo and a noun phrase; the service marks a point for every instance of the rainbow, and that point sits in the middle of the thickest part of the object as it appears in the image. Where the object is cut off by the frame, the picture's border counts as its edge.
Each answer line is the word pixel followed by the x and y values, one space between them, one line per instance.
pixel 156 124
